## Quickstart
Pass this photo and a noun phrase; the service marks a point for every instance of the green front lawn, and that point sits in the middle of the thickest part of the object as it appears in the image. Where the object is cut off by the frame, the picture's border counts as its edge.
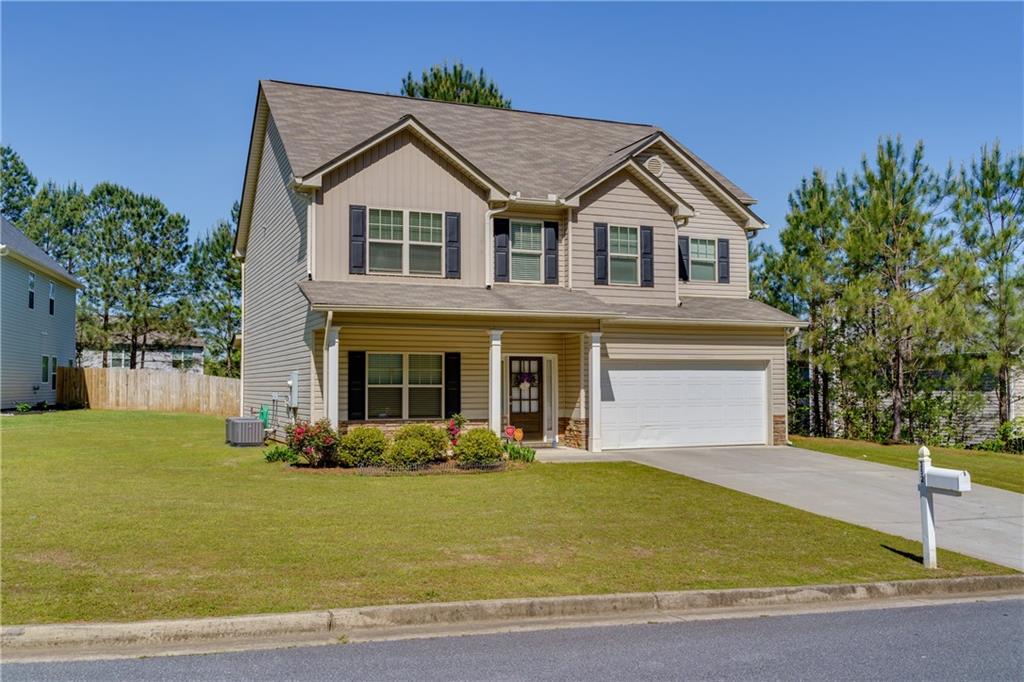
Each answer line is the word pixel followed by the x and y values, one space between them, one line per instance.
pixel 123 516
pixel 997 469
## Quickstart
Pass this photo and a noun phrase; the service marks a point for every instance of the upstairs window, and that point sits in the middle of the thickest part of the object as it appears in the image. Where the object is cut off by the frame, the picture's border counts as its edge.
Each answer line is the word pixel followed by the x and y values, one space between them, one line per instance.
pixel 702 260
pixel 51 298
pixel 525 251
pixel 396 250
pixel 31 290
pixel 425 239
pixel 624 255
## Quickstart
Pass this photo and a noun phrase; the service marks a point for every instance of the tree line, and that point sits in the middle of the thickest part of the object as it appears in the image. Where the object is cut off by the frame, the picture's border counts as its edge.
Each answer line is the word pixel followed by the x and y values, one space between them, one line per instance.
pixel 912 282
pixel 141 274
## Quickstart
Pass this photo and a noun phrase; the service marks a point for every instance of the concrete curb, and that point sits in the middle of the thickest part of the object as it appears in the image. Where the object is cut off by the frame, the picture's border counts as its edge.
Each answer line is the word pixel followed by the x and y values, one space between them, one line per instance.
pixel 54 639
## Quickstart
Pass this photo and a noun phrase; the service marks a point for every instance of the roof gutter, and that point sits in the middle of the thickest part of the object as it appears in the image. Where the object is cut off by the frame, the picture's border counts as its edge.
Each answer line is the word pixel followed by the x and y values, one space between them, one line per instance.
pixel 465 312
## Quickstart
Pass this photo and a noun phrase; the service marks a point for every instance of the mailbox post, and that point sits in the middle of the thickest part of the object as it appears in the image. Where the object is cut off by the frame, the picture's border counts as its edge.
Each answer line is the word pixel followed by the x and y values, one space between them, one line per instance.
pixel 935 480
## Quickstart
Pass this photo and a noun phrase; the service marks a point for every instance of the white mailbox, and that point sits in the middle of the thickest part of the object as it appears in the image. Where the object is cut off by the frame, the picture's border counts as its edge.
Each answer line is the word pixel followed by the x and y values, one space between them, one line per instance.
pixel 935 480
pixel 947 481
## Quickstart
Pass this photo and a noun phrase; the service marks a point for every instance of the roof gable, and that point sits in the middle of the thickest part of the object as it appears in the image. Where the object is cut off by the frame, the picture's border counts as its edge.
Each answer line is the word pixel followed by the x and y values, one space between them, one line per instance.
pixel 16 244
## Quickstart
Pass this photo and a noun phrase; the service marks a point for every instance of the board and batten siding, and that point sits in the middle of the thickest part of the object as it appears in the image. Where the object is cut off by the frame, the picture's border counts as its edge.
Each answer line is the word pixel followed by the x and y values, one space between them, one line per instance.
pixel 401 172
pixel 707 344
pixel 28 334
pixel 621 200
pixel 714 220
pixel 472 344
pixel 276 321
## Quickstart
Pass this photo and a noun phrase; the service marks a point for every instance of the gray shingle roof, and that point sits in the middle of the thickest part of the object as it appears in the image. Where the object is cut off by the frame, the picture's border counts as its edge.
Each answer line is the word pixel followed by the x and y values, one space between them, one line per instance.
pixel 16 241
pixel 535 154
pixel 540 299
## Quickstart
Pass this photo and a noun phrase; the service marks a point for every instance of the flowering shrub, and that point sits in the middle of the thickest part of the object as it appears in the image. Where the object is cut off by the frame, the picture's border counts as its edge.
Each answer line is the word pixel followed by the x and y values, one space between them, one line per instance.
pixel 455 425
pixel 315 443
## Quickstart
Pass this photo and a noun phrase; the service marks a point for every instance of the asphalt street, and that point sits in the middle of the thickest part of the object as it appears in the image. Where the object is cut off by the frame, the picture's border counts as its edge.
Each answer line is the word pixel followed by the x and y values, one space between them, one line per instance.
pixel 965 641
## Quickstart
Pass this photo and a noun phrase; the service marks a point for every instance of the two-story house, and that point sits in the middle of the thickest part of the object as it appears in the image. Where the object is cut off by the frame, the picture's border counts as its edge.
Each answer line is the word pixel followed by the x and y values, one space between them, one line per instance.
pixel 585 280
pixel 37 320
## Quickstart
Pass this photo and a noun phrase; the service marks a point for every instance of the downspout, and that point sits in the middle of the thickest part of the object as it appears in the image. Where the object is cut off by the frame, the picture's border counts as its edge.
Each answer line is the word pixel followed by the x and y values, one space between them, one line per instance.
pixel 489 256
pixel 568 247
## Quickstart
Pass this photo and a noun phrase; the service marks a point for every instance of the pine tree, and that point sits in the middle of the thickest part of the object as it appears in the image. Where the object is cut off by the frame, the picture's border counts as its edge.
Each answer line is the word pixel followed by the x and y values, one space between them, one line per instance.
pixel 56 222
pixel 216 281
pixel 17 185
pixel 455 83
pixel 988 208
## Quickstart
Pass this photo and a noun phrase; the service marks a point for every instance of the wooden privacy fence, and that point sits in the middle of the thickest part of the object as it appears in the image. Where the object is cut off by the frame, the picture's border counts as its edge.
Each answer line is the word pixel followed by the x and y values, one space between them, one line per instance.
pixel 147 389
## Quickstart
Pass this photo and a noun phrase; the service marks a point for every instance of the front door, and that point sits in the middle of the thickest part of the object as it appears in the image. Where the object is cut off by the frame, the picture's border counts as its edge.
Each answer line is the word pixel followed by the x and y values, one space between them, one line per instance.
pixel 526 396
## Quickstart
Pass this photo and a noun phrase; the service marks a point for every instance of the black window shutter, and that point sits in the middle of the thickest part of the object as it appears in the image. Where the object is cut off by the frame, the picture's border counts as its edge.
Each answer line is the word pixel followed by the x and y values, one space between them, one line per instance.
pixel 357 384
pixel 600 253
pixel 550 252
pixel 501 249
pixel 452 384
pixel 646 256
pixel 723 261
pixel 684 259
pixel 453 245
pixel 357 240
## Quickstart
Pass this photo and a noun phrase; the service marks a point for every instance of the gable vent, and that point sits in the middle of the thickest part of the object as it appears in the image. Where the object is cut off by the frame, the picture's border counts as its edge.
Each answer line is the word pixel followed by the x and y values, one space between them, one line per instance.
pixel 654 165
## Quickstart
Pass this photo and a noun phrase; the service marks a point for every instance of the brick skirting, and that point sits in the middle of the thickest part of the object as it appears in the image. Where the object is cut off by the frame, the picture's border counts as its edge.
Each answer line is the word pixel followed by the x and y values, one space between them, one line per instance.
pixel 780 433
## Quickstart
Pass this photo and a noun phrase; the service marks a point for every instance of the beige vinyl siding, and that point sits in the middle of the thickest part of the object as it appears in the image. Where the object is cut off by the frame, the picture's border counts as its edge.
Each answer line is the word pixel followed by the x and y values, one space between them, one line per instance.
pixel 714 220
pixel 276 317
pixel 28 334
pixel 719 344
pixel 621 200
pixel 401 172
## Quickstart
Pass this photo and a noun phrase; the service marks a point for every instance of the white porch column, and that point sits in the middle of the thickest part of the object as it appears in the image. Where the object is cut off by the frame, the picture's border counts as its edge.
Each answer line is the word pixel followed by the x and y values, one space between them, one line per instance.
pixel 594 394
pixel 331 378
pixel 494 383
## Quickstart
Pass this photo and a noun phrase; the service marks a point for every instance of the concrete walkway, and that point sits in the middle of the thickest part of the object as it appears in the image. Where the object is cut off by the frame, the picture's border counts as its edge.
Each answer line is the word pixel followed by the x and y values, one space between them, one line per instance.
pixel 987 523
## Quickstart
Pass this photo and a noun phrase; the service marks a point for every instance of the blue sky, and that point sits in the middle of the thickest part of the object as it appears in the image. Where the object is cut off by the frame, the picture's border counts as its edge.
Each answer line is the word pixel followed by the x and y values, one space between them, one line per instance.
pixel 159 97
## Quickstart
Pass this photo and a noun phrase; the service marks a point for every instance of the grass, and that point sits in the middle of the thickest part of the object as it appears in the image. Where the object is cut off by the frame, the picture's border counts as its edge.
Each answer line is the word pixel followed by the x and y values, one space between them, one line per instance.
pixel 997 469
pixel 123 516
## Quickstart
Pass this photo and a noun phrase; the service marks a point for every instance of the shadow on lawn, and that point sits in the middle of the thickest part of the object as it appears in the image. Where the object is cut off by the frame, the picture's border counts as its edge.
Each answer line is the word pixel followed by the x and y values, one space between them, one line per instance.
pixel 907 555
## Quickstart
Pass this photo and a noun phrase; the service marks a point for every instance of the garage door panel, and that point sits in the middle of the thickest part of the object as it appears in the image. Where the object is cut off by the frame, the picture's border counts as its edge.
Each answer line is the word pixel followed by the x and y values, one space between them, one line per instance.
pixel 663 404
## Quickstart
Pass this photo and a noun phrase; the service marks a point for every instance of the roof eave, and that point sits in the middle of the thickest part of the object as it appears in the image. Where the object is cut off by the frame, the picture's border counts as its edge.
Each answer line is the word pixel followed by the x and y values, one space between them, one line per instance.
pixel 49 270
pixel 257 136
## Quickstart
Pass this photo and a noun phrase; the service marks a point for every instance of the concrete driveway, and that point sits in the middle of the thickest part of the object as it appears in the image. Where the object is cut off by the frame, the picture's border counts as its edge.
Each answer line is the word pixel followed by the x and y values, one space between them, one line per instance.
pixel 987 523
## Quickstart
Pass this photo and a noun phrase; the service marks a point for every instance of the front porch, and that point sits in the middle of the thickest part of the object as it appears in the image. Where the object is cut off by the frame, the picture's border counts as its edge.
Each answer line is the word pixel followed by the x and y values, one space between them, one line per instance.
pixel 534 373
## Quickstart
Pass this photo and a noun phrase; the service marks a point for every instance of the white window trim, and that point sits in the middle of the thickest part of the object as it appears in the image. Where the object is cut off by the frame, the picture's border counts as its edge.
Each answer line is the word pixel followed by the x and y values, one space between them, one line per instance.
pixel 32 290
pixel 539 252
pixel 714 259
pixel 405 386
pixel 53 372
pixel 636 257
pixel 405 243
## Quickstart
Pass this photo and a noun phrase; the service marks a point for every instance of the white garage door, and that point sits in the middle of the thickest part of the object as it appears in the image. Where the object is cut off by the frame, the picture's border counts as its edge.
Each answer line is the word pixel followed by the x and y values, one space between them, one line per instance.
pixel 648 404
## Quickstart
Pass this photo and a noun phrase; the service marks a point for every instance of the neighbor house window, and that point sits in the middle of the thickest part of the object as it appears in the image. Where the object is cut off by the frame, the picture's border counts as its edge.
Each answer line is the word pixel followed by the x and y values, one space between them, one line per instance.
pixel 44 376
pixel 386 233
pixel 120 357
pixel 624 255
pixel 702 260
pixel 404 385
pixel 396 250
pixel 51 298
pixel 53 372
pixel 525 251
pixel 31 290
pixel 425 243
pixel 182 358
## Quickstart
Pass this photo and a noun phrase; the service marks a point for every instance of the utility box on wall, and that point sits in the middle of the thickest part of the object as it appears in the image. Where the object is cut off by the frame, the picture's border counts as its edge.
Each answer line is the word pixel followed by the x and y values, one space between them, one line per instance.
pixel 293 390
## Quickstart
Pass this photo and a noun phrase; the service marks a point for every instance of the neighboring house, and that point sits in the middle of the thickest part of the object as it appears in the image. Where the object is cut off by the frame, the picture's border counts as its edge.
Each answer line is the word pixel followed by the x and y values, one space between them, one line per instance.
pixel 163 351
pixel 405 259
pixel 37 320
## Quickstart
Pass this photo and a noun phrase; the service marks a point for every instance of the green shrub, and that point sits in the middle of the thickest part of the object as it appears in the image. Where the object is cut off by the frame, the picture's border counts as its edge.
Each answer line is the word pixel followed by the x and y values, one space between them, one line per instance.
pixel 478 447
pixel 22 408
pixel 517 452
pixel 317 443
pixel 41 406
pixel 1011 433
pixel 409 453
pixel 362 446
pixel 280 453
pixel 435 438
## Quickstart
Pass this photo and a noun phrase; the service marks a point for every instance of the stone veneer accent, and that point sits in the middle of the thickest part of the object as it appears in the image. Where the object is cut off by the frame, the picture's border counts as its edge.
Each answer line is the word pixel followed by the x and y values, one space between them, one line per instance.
pixel 780 433
pixel 573 433
pixel 389 427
